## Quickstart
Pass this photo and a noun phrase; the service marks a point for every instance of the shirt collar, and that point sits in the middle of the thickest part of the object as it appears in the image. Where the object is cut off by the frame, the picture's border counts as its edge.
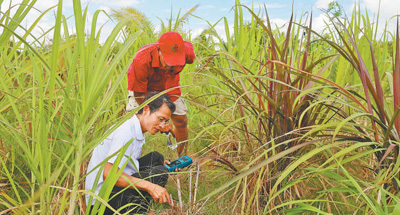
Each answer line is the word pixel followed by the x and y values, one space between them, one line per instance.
pixel 155 57
pixel 138 129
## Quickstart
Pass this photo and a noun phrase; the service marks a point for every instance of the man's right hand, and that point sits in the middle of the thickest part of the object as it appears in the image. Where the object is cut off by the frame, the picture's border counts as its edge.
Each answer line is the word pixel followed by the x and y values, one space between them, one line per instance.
pixel 159 194
pixel 139 97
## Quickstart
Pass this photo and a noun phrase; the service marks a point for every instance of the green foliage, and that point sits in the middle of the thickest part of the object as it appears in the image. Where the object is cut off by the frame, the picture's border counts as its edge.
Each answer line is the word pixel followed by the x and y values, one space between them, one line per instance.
pixel 176 24
pixel 55 108
pixel 335 9
pixel 137 21
pixel 281 102
pixel 281 120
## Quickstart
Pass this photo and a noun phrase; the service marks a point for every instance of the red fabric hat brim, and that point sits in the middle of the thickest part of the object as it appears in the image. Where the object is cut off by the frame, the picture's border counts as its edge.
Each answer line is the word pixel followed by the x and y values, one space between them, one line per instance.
pixel 172 48
pixel 174 59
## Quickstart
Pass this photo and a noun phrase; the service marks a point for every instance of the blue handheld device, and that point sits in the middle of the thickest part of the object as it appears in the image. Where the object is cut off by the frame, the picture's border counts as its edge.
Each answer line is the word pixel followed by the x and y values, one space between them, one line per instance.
pixel 179 163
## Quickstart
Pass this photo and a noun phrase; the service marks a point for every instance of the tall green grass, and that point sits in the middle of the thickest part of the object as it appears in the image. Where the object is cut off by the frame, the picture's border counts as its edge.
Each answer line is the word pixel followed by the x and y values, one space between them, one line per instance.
pixel 288 125
pixel 56 104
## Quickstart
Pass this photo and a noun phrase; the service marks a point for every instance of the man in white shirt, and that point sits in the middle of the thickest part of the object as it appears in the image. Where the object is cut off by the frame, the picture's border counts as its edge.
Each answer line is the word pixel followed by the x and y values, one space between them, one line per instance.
pixel 131 192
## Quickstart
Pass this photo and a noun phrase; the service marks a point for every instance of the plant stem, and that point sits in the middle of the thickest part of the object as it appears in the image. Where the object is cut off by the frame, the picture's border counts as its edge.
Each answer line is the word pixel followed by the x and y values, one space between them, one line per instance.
pixel 179 192
pixel 76 175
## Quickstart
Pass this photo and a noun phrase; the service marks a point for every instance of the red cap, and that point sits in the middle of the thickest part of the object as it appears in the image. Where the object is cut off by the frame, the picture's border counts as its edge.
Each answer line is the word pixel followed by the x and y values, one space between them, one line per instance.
pixel 172 48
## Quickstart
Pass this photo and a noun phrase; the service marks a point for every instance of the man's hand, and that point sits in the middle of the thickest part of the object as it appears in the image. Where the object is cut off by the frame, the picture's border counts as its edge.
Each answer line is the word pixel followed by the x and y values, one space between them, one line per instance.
pixel 139 97
pixel 166 129
pixel 168 162
pixel 159 194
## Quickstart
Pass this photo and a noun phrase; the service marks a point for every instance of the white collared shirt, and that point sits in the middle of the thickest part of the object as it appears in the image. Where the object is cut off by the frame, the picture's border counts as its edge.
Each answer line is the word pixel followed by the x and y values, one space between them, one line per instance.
pixel 129 132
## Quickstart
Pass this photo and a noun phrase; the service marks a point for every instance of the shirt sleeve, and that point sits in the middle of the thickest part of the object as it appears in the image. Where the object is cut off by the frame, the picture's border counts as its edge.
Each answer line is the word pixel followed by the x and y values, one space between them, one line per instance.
pixel 138 76
pixel 189 53
pixel 119 140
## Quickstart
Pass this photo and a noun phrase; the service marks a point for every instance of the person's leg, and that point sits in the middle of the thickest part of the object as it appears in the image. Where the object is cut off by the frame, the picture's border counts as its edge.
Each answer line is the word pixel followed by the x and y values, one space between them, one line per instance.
pixel 151 168
pixel 128 200
pixel 133 201
pixel 179 120
pixel 156 175
pixel 150 160
pixel 132 103
pixel 124 200
pixel 181 133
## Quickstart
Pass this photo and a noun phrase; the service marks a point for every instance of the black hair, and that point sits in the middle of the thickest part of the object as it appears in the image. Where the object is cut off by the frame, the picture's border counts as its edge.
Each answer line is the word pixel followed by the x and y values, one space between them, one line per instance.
pixel 158 102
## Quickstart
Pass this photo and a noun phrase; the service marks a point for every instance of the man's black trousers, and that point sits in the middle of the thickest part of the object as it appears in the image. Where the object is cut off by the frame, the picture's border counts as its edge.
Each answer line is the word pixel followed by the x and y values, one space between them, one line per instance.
pixel 151 168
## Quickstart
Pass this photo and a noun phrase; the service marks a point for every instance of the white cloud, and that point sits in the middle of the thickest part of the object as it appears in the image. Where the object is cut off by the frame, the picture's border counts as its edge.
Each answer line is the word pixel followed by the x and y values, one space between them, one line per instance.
pixel 388 8
pixel 48 20
pixel 45 23
pixel 269 6
pixel 277 22
pixel 106 9
pixel 196 32
pixel 225 9
pixel 220 29
pixel 322 4
pixel 116 3
pixel 43 5
pixel 207 6
pixel 319 23
pixel 5 6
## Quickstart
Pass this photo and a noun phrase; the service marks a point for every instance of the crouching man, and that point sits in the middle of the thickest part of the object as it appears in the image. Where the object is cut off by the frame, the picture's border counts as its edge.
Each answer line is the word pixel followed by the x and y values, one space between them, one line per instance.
pixel 152 118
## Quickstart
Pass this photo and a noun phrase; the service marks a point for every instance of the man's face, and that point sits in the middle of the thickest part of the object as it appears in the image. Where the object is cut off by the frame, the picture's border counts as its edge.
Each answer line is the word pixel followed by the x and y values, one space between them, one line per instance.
pixel 169 68
pixel 153 122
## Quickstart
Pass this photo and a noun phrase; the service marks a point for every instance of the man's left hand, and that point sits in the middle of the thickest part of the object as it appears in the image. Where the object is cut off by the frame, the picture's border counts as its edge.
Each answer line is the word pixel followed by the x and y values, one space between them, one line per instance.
pixel 166 129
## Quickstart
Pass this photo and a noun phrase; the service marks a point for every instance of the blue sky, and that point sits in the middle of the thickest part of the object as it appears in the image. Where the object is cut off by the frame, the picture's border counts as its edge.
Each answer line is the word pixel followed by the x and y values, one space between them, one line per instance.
pixel 279 11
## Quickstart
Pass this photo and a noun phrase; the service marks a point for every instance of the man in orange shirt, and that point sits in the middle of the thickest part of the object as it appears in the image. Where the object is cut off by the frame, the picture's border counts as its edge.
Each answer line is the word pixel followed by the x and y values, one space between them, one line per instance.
pixel 156 68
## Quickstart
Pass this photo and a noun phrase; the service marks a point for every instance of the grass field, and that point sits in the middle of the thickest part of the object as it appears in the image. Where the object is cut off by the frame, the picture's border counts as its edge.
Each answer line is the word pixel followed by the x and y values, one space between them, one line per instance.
pixel 287 121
